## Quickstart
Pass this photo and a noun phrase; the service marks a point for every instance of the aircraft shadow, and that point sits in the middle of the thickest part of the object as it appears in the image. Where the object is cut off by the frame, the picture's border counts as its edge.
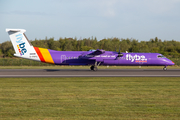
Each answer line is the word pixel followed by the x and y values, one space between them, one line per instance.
pixel 55 70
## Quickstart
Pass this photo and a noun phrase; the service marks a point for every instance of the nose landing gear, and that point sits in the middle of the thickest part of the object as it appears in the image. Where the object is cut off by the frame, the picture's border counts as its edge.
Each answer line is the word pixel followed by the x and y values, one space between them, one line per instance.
pixel 164 68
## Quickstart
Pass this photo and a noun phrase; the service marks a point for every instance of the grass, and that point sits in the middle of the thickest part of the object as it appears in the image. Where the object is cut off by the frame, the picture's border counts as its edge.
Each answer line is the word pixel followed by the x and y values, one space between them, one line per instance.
pixel 90 98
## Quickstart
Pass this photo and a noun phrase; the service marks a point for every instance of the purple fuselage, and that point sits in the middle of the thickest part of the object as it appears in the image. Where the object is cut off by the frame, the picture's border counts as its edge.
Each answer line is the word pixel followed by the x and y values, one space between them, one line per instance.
pixel 108 58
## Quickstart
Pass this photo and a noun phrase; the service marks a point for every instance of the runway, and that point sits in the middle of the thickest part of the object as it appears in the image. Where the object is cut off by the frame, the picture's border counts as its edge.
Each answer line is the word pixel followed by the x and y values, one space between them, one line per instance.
pixel 88 73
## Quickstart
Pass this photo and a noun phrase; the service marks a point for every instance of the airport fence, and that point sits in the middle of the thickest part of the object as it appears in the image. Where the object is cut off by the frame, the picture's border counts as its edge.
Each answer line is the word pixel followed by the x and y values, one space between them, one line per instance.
pixel 26 62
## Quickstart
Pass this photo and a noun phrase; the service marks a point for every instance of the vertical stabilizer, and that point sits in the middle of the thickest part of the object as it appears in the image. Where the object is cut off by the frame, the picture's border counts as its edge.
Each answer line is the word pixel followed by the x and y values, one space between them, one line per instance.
pixel 21 44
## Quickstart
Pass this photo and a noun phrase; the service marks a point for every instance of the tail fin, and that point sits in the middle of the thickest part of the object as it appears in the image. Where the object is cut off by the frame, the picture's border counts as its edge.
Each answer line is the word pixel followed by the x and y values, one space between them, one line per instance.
pixel 21 44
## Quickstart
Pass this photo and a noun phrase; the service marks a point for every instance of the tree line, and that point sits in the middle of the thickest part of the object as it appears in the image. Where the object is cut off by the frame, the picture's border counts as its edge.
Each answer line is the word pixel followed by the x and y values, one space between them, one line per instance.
pixel 170 49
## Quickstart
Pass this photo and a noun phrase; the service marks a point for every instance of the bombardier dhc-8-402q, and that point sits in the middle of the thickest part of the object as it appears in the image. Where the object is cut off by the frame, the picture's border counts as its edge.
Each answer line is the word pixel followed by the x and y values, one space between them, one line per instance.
pixel 24 49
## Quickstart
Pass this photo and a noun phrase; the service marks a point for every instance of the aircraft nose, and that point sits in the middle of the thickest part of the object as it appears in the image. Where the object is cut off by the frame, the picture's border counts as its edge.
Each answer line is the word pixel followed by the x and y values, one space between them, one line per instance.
pixel 169 62
pixel 172 63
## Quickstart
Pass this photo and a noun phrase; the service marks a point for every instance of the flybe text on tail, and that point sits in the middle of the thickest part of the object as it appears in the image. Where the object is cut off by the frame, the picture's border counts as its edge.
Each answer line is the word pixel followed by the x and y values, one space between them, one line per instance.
pixel 21 44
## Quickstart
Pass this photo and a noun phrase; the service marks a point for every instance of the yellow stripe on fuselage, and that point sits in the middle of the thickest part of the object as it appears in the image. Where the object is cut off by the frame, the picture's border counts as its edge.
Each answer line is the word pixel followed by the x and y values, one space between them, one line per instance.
pixel 46 55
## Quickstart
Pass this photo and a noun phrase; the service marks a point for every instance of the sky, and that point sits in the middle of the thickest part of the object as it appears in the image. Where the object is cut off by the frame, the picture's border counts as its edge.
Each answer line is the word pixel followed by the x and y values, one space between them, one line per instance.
pixel 136 19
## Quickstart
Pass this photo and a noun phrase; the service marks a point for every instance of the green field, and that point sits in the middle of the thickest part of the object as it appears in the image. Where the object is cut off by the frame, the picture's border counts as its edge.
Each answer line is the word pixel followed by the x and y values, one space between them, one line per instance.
pixel 90 98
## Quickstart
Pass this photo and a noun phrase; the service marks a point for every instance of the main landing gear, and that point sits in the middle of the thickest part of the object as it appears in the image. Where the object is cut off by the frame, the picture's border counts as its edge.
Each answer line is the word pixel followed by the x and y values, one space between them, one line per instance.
pixel 94 67
pixel 164 68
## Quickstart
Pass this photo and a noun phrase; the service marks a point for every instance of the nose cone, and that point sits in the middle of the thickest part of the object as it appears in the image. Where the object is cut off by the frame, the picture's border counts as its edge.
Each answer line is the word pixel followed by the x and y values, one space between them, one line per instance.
pixel 169 62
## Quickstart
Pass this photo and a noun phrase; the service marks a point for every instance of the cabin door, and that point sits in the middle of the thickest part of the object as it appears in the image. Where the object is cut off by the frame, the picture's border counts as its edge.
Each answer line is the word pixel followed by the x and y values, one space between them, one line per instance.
pixel 63 58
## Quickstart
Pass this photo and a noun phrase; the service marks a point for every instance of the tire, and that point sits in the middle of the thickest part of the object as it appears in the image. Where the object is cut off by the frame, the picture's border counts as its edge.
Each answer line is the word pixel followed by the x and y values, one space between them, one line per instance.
pixel 92 67
pixel 164 68
pixel 95 69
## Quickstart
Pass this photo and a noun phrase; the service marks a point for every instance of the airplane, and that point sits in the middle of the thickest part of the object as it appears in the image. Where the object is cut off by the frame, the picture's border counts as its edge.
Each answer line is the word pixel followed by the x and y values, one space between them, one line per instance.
pixel 24 49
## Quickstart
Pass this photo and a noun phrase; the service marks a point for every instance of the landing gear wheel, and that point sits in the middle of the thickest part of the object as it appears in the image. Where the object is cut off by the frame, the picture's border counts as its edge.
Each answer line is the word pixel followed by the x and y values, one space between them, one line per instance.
pixel 95 69
pixel 164 68
pixel 92 67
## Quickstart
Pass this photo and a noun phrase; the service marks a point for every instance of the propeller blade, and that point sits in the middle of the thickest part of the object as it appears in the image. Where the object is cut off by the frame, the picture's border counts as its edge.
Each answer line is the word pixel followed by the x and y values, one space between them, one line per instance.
pixel 119 50
pixel 119 53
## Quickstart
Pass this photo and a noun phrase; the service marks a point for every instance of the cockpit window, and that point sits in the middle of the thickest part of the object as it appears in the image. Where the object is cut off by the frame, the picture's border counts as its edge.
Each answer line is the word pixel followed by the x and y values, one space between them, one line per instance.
pixel 161 56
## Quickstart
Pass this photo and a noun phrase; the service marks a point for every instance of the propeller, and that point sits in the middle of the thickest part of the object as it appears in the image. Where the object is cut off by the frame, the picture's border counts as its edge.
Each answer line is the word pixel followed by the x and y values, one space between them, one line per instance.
pixel 119 53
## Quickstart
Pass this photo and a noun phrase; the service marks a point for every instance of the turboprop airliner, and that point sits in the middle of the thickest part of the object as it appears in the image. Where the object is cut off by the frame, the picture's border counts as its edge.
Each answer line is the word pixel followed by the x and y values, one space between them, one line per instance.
pixel 24 49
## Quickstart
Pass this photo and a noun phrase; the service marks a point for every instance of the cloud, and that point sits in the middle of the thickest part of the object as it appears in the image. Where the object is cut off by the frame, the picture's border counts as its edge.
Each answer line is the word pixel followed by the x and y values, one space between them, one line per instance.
pixel 108 8
pixel 28 13
pixel 162 6
pixel 112 8
pixel 104 8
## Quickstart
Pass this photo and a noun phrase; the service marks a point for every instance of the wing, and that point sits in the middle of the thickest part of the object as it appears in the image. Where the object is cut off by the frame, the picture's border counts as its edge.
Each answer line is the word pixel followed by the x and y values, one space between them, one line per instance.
pixel 97 52
pixel 88 55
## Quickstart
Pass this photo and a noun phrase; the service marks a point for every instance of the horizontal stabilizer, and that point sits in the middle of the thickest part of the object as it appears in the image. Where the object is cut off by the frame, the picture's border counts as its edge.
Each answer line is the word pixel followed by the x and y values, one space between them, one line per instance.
pixel 16 30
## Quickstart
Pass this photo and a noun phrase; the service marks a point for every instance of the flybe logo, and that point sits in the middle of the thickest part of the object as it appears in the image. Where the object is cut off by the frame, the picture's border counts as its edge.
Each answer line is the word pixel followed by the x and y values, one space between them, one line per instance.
pixel 21 44
pixel 136 58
